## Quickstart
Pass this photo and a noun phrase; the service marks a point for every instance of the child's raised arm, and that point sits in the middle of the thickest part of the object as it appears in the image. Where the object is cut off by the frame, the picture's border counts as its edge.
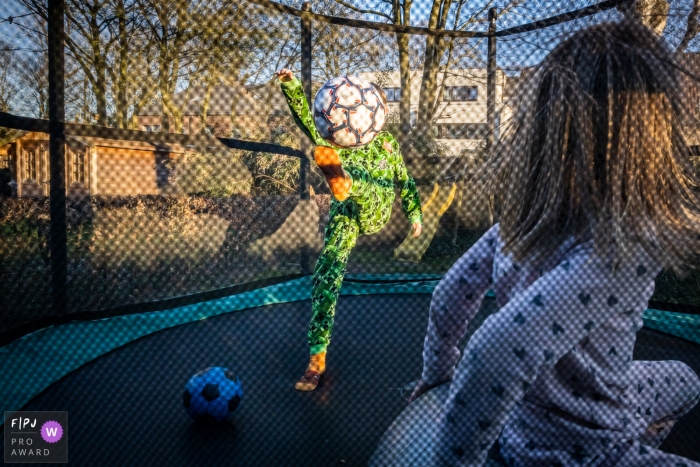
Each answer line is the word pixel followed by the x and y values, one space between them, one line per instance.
pixel 294 93
pixel 535 328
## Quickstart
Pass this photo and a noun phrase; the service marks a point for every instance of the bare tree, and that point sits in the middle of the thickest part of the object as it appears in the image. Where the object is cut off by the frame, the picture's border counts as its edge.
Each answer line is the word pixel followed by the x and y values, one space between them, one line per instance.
pixel 341 50
pixel 233 51
pixel 85 41
pixel 201 43
pixel 33 80
pixel 399 13
pixel 125 33
pixel 692 28
pixel 8 83
pixel 439 51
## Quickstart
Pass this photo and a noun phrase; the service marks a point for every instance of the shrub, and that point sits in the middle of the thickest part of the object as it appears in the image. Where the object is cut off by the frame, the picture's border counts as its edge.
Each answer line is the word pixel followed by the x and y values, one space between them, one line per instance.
pixel 275 173
pixel 216 175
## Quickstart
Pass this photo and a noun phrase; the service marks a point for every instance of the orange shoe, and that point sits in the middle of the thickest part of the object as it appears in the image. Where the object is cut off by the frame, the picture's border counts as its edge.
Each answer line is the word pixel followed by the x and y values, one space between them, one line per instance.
pixel 328 161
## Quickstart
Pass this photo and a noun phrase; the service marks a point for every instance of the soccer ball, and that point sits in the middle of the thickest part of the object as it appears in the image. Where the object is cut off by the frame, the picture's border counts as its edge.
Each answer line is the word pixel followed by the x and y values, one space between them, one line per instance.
pixel 213 393
pixel 348 112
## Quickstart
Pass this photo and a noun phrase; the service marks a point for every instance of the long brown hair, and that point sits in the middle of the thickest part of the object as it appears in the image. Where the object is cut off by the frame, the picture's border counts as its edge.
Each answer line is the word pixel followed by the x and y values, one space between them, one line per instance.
pixel 381 92
pixel 596 150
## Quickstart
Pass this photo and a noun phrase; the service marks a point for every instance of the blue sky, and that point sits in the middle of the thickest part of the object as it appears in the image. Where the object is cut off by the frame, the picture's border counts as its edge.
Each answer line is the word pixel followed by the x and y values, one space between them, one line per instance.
pixel 530 10
pixel 514 52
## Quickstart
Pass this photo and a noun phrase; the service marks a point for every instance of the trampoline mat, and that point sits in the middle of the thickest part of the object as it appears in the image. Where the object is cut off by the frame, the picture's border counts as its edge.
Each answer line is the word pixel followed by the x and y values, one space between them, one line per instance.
pixel 125 408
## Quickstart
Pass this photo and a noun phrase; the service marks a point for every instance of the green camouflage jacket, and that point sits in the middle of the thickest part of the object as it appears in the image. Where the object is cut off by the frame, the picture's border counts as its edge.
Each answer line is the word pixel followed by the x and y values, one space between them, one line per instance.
pixel 380 159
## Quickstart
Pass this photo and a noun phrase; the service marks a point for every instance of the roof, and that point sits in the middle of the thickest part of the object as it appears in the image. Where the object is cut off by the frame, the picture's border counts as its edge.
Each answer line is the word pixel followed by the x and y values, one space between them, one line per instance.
pixel 12 136
pixel 128 144
pixel 202 143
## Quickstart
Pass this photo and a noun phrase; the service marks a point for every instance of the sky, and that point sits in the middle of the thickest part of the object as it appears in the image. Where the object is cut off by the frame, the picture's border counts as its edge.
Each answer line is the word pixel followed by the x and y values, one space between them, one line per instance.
pixel 530 10
pixel 514 52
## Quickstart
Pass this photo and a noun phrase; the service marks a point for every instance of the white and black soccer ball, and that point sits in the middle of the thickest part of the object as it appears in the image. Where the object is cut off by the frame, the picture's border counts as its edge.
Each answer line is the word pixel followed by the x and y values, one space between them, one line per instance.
pixel 349 112
pixel 213 393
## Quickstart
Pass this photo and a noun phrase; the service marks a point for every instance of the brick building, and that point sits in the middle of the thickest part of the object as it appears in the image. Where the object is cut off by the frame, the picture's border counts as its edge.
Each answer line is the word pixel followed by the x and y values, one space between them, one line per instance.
pixel 232 112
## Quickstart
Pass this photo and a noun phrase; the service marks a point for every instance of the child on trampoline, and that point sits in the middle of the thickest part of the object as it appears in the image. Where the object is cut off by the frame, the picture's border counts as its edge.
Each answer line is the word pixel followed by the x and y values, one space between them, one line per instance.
pixel 596 196
pixel 361 181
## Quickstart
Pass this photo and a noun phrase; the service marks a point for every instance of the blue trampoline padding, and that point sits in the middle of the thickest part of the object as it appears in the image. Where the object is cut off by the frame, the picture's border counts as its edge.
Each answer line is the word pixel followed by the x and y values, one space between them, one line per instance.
pixel 678 324
pixel 392 277
pixel 30 364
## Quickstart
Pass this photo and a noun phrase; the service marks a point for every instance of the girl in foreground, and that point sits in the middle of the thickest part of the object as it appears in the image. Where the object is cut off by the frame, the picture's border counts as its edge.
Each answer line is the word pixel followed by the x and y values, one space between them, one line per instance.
pixel 597 197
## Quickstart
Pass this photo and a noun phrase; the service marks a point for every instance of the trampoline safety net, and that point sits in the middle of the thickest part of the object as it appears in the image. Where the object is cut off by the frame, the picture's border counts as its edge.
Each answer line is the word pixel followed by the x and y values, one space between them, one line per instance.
pixel 209 184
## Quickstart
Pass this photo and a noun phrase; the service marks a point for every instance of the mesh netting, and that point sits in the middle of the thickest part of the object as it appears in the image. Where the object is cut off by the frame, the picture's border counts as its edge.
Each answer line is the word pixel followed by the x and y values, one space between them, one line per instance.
pixel 190 180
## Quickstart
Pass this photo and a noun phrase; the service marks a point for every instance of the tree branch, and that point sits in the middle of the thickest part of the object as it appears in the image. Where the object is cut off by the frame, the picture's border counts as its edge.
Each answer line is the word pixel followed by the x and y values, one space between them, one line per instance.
pixel 692 28
pixel 367 12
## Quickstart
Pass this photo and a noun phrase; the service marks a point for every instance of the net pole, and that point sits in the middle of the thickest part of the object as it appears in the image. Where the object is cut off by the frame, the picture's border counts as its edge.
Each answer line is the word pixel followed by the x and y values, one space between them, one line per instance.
pixel 57 161
pixel 305 167
pixel 491 79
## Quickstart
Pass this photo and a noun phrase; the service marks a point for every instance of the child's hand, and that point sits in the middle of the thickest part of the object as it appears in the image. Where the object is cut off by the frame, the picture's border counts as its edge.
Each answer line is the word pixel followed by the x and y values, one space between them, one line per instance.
pixel 285 75
pixel 421 388
pixel 417 229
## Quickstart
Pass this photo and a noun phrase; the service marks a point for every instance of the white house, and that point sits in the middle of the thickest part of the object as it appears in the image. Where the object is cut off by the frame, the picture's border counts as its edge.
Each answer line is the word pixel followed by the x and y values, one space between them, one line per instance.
pixel 460 123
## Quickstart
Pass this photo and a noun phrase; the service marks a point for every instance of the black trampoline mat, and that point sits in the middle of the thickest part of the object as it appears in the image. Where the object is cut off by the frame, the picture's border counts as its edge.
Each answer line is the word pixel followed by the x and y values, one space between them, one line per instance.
pixel 125 408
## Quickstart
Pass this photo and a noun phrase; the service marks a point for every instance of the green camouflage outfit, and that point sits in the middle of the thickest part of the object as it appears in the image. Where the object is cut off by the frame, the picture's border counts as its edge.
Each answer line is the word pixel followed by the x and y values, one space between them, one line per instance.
pixel 366 210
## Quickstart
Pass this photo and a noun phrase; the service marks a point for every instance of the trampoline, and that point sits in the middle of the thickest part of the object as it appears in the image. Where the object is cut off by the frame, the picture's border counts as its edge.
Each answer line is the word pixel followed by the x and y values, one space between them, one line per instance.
pixel 125 405
pixel 124 271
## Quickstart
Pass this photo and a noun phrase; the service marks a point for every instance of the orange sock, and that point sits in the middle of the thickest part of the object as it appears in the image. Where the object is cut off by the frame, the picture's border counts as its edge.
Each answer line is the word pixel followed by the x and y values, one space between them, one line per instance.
pixel 328 161
pixel 317 362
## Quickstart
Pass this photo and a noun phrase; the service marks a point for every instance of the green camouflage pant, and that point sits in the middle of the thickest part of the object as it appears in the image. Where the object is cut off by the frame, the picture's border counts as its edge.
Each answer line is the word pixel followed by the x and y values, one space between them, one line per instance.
pixel 367 210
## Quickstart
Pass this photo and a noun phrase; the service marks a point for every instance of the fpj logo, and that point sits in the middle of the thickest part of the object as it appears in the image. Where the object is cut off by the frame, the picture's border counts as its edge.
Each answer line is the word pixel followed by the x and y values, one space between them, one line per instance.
pixel 36 437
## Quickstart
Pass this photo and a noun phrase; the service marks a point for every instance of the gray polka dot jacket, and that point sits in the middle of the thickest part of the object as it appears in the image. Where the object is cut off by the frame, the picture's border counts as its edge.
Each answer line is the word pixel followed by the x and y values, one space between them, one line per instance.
pixel 561 341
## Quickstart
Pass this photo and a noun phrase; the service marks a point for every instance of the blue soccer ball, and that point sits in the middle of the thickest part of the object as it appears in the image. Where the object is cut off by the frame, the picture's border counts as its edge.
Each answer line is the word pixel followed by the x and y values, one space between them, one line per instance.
pixel 213 393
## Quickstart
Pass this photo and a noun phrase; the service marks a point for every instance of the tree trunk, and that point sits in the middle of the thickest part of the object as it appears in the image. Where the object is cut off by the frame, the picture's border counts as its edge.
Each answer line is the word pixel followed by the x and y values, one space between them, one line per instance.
pixel 429 85
pixel 207 97
pixel 405 102
pixel 692 28
pixel 234 102
pixel 100 94
pixel 434 49
pixel 143 100
pixel 167 81
pixel 402 15
pixel 122 103
pixel 169 66
pixel 172 111
pixel 100 87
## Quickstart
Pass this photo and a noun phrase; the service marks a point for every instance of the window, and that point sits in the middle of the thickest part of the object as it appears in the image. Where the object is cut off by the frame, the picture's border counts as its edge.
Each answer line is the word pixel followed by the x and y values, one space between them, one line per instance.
pixel 151 128
pixel 392 94
pixel 462 131
pixel 31 165
pixel 78 166
pixel 461 93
